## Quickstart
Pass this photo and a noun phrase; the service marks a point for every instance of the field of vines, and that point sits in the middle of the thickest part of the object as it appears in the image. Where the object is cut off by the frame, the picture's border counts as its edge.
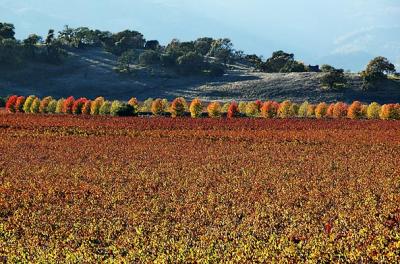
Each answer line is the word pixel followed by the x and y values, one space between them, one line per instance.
pixel 90 189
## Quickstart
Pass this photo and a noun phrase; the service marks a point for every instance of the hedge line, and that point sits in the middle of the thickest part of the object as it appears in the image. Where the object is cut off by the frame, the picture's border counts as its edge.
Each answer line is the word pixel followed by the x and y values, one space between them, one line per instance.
pixel 179 107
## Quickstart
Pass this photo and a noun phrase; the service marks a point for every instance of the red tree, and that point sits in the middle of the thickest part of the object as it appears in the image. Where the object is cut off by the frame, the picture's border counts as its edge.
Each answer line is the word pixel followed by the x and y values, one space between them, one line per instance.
pixel 19 104
pixel 233 110
pixel 68 105
pixel 11 102
pixel 78 105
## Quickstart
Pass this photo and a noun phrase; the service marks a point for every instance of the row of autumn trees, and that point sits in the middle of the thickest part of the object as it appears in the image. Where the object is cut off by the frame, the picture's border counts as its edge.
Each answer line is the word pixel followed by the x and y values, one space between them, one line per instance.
pixel 179 107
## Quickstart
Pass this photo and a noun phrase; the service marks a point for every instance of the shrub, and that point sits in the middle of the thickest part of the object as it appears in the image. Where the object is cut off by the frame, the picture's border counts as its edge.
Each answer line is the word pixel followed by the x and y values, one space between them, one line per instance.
pixel 105 108
pixel 374 110
pixel 284 109
pixel 303 109
pixel 252 109
pixel 28 102
pixel 269 109
pixel 178 107
pixel 60 106
pixel 311 110
pixel 51 108
pixel 321 110
pixel 19 104
pixel 233 110
pixel 354 111
pixel 214 109
pixel 35 107
pixel 340 110
pixel 95 106
pixel 10 105
pixel 329 112
pixel 68 104
pixel 44 104
pixel 135 105
pixel 157 107
pixel 196 108
pixel 242 107
pixel 390 111
pixel 146 106
pixel 78 105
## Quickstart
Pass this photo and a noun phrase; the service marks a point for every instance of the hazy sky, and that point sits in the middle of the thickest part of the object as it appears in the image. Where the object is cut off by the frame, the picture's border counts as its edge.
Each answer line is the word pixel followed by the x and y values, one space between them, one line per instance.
pixel 346 33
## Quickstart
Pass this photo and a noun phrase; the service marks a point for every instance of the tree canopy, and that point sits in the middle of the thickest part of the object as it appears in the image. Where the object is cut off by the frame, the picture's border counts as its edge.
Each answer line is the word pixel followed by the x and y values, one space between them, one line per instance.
pixel 333 78
pixel 7 31
pixel 376 70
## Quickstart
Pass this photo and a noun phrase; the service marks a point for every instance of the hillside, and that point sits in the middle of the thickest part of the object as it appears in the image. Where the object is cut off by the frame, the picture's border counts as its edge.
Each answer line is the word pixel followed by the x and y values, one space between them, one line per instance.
pixel 90 73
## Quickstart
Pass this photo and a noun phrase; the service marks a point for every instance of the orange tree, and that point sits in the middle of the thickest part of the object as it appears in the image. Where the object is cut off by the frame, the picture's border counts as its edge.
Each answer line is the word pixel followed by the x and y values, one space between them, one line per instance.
pixel 269 109
pixel 178 107
pixel 157 107
pixel 321 110
pixel 355 110
pixel 214 110
pixel 196 108
pixel 340 110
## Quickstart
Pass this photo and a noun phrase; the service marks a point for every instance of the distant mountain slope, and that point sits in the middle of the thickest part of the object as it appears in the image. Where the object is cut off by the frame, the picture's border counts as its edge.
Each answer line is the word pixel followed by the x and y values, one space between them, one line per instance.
pixel 90 73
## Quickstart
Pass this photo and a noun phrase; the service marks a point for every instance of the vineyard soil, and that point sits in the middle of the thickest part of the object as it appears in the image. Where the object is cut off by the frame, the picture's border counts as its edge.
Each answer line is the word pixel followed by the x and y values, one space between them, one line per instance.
pixel 102 189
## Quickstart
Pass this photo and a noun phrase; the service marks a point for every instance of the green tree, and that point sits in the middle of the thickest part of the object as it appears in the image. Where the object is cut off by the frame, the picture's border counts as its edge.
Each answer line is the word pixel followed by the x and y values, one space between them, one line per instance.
pixel 10 52
pixel 152 45
pixel 149 57
pixel 55 53
pixel 176 46
pixel 126 60
pixel 334 79
pixel 254 60
pixel 125 40
pixel 7 31
pixel 190 63
pixel 222 49
pixel 277 61
pixel 377 70
pixel 85 37
pixel 30 45
pixel 203 45
pixel 294 66
pixel 327 68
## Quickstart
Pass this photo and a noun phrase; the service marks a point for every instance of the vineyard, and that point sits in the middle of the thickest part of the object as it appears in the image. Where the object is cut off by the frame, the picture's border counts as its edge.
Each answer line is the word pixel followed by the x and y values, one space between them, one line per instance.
pixel 179 108
pixel 138 190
